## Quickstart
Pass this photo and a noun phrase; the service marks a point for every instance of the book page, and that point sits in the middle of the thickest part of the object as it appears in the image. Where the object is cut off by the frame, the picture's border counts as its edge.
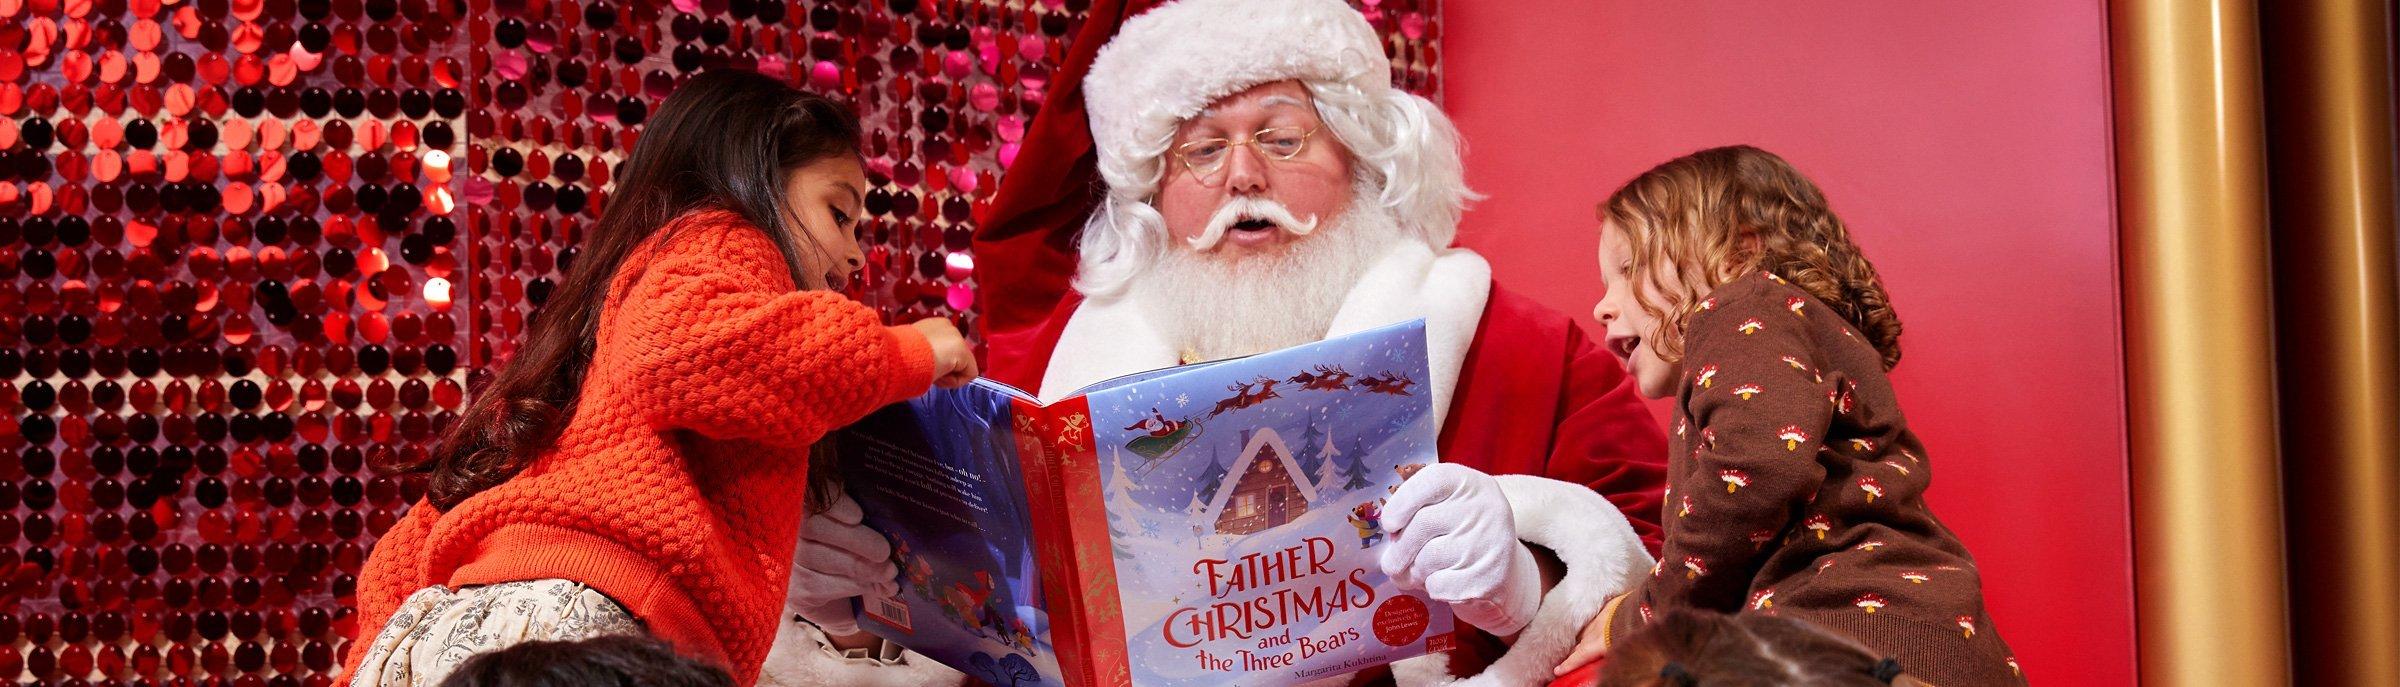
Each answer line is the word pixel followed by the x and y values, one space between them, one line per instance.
pixel 1004 388
pixel 1243 504
pixel 939 476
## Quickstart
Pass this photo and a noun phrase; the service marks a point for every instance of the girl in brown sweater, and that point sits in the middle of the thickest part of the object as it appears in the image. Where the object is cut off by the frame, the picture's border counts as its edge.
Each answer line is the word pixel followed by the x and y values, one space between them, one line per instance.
pixel 1795 487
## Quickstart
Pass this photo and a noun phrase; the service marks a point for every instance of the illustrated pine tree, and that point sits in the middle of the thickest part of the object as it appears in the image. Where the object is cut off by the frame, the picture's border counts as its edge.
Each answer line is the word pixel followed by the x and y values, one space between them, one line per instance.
pixel 1214 476
pixel 1120 500
pixel 1116 539
pixel 1309 455
pixel 1194 513
pixel 1120 489
pixel 1327 473
pixel 1355 473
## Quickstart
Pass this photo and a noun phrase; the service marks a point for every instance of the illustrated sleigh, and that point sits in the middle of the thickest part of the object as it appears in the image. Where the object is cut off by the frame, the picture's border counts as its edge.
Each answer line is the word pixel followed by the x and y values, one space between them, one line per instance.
pixel 1155 450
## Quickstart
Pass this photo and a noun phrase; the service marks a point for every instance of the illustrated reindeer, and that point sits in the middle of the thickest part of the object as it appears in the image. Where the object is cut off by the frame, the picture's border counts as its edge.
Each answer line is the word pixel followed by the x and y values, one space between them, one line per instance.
pixel 1244 397
pixel 1240 391
pixel 1388 383
pixel 1266 390
pixel 1335 378
pixel 1325 378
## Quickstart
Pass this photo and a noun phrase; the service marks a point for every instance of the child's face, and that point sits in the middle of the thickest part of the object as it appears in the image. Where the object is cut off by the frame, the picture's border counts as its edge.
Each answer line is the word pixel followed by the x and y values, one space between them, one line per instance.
pixel 1632 331
pixel 826 200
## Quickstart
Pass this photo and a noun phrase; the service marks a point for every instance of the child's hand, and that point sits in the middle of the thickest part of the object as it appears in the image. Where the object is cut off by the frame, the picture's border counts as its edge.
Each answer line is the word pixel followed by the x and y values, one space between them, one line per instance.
pixel 953 359
pixel 1588 646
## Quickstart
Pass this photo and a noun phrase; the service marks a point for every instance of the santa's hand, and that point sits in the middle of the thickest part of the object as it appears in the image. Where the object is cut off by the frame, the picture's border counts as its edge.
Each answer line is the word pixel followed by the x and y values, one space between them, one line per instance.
pixel 1455 538
pixel 838 558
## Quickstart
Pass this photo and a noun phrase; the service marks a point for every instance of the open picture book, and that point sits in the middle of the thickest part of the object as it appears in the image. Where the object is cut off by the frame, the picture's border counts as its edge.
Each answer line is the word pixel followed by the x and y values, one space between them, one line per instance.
pixel 1209 524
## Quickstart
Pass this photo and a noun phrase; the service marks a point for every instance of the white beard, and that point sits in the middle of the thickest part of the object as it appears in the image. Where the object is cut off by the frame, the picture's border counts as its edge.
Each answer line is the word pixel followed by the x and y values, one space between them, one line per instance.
pixel 1213 305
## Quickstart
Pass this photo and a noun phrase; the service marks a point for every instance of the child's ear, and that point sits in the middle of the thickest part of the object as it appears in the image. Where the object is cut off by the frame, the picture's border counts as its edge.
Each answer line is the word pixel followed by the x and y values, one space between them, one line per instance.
pixel 1730 271
pixel 1750 256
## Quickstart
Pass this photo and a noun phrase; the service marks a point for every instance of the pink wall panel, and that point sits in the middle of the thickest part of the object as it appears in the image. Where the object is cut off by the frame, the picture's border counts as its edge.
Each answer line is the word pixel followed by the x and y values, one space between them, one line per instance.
pixel 1968 146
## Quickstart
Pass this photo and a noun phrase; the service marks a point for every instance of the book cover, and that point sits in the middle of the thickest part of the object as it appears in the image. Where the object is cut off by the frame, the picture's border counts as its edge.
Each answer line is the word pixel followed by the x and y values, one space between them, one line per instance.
pixel 1212 524
pixel 942 477
pixel 1243 503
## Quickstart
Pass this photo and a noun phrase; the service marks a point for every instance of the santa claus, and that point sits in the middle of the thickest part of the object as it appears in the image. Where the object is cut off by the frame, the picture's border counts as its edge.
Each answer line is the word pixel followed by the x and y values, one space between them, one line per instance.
pixel 1262 185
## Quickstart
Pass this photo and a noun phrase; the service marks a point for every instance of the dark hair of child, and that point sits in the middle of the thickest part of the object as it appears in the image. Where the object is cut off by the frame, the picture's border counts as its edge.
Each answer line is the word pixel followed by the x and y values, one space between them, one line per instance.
pixel 725 139
pixel 1687 648
pixel 609 661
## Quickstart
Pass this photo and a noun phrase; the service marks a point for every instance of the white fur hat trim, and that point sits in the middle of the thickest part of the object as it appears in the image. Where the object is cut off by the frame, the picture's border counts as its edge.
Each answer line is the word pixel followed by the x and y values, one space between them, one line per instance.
pixel 1169 63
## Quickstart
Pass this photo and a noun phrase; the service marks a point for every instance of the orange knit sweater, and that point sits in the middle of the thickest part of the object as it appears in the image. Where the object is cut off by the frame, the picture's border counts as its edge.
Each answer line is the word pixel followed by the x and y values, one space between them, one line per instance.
pixel 676 487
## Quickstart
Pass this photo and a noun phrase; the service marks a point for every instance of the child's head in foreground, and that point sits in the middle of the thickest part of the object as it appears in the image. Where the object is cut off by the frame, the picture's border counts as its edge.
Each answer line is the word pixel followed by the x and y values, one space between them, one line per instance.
pixel 1676 232
pixel 1688 648
pixel 610 661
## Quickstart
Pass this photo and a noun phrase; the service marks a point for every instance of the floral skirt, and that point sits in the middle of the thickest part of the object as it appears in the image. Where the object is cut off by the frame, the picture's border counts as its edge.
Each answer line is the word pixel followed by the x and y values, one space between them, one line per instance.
pixel 437 628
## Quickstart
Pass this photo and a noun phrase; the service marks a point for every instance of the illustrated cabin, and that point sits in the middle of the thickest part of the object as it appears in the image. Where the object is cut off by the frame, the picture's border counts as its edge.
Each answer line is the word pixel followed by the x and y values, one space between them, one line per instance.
pixel 1263 489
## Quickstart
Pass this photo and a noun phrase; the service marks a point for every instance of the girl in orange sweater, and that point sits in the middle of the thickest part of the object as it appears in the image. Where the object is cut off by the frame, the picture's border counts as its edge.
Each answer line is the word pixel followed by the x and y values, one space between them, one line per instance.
pixel 637 465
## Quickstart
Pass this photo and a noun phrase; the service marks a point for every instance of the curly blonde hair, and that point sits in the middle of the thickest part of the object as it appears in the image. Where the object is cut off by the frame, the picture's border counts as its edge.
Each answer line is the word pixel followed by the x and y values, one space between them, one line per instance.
pixel 1722 213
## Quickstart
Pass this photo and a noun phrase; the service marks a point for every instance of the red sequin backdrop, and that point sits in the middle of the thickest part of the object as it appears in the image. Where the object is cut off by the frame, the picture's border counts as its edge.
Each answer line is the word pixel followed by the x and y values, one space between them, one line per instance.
pixel 246 246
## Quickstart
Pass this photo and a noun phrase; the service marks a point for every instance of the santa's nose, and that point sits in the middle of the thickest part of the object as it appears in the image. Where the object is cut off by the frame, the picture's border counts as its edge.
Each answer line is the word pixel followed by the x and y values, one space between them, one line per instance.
pixel 1245 171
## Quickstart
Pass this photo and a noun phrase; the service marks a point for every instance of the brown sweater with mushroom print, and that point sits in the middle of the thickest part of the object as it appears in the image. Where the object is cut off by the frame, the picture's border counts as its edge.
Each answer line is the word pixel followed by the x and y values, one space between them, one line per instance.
pixel 1795 488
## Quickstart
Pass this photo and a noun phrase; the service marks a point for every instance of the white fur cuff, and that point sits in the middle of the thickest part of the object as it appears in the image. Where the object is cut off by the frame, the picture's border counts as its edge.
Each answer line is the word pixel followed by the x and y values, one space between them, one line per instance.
pixel 801 658
pixel 1603 558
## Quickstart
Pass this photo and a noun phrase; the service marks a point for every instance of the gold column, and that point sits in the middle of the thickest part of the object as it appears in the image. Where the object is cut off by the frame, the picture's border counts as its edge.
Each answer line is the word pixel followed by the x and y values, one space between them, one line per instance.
pixel 2200 386
pixel 2331 157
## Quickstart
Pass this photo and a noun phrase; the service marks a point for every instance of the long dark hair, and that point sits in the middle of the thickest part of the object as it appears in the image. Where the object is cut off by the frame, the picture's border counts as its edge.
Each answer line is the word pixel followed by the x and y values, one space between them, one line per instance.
pixel 726 139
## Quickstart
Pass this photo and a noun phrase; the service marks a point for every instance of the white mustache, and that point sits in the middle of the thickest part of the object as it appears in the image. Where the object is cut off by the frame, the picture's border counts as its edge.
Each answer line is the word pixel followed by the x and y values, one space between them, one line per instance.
pixel 1246 208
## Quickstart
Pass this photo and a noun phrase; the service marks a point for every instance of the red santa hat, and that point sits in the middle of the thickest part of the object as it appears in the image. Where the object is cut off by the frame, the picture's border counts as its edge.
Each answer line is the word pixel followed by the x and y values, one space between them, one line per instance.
pixel 1165 66
pixel 1133 71
pixel 1025 239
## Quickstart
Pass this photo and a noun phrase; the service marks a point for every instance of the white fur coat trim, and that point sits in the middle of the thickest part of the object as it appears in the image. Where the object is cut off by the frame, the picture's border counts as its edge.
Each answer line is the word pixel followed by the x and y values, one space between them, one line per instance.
pixel 1603 558
pixel 1111 338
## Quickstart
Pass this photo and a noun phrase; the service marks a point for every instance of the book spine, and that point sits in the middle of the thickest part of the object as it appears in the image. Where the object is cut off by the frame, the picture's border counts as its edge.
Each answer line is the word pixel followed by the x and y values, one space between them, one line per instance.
pixel 1090 646
pixel 1077 468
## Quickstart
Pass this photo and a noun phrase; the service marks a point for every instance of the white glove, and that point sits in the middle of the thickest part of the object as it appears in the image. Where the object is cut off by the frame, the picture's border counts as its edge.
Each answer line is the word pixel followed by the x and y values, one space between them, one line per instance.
pixel 837 559
pixel 1455 539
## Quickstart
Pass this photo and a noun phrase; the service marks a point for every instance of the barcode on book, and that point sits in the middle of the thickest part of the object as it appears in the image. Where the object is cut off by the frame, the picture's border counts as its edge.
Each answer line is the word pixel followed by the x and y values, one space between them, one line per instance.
pixel 890 611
